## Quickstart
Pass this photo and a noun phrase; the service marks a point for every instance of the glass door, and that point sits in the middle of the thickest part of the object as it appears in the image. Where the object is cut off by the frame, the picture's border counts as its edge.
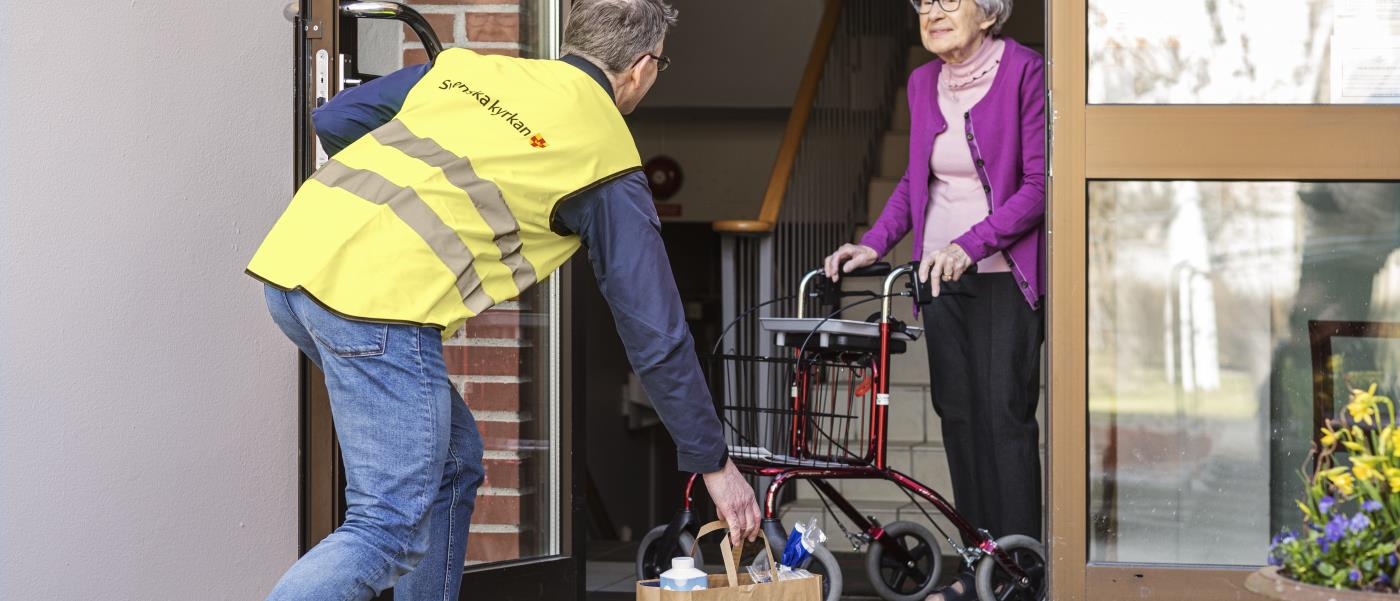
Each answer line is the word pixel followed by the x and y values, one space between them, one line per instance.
pixel 1224 258
pixel 508 363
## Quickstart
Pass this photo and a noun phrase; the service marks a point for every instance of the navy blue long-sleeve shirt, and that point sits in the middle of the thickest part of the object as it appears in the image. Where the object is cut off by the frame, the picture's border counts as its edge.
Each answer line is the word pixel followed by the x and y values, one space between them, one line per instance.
pixel 617 224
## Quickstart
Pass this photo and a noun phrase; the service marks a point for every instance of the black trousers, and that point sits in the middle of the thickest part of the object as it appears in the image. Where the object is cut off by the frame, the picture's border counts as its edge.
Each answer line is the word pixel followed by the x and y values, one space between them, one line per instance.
pixel 984 368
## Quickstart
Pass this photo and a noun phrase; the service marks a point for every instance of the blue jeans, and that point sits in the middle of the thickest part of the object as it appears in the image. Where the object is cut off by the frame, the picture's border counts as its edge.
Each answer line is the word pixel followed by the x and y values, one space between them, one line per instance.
pixel 412 459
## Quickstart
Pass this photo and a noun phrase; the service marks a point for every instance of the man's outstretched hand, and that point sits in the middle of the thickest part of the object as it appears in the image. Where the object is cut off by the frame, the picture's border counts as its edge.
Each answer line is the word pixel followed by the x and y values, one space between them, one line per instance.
pixel 735 501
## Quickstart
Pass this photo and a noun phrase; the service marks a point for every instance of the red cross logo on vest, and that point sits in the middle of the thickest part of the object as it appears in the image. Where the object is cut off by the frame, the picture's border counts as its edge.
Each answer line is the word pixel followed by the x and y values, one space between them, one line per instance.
pixel 538 141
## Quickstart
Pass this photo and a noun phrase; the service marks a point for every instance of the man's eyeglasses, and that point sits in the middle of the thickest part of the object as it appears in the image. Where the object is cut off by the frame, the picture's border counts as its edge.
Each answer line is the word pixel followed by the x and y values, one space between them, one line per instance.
pixel 662 61
pixel 924 7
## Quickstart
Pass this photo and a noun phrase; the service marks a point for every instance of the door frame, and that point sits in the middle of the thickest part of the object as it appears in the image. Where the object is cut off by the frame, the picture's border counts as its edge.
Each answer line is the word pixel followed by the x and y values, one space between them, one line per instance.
pixel 1156 142
pixel 320 27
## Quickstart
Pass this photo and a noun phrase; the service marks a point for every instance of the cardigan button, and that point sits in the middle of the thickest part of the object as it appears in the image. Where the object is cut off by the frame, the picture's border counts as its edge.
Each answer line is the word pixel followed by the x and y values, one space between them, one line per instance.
pixel 1024 284
pixel 980 162
pixel 986 188
pixel 969 135
pixel 967 115
pixel 1010 263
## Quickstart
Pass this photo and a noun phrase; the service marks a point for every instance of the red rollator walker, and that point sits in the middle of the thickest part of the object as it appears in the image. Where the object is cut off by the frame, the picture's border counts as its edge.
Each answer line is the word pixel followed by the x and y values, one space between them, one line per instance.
pixel 818 410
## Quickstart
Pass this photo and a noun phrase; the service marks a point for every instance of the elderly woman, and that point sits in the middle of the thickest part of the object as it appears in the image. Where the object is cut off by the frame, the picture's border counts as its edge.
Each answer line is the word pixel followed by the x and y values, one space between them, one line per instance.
pixel 974 193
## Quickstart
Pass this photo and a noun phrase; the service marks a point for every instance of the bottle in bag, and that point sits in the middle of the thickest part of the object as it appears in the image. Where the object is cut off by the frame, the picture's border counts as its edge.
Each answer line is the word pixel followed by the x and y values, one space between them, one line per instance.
pixel 683 576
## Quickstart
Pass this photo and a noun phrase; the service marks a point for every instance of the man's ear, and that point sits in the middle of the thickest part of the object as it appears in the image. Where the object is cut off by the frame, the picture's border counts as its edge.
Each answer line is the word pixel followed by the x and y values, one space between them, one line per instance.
pixel 636 75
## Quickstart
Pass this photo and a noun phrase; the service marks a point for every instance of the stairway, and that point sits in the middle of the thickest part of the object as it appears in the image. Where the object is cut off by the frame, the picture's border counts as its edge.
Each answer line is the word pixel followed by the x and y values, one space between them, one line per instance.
pixel 916 440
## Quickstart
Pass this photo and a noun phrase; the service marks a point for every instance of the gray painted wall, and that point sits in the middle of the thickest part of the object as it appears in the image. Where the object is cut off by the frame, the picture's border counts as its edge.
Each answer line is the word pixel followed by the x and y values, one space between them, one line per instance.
pixel 148 411
pixel 736 53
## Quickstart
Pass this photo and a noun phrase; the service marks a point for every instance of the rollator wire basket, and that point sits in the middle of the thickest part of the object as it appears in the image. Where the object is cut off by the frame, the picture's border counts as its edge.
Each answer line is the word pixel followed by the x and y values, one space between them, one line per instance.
pixel 767 418
pixel 811 401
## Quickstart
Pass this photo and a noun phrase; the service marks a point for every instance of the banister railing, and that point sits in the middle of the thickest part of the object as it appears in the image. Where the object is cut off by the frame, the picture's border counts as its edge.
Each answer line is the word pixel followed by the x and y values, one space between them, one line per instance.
pixel 817 192
pixel 792 134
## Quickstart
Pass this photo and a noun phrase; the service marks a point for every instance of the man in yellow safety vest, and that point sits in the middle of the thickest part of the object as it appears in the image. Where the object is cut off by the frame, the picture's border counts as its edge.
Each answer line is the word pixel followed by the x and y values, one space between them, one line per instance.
pixel 452 187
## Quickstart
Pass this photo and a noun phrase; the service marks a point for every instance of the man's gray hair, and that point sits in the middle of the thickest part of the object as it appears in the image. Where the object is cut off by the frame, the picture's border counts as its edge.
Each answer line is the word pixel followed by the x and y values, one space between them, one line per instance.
pixel 616 32
pixel 1000 9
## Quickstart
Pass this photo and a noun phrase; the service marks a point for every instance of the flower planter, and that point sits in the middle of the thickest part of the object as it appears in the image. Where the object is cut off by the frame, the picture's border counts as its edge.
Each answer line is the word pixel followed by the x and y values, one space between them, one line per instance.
pixel 1269 584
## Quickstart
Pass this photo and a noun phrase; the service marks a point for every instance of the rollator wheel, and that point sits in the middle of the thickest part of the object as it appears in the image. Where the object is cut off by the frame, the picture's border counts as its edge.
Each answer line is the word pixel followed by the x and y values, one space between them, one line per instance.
pixel 652 560
pixel 911 580
pixel 824 563
pixel 993 581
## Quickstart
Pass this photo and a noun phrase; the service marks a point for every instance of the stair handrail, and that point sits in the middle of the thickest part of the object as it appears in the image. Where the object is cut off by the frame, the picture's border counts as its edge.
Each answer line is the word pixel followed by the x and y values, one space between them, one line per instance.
pixel 793 133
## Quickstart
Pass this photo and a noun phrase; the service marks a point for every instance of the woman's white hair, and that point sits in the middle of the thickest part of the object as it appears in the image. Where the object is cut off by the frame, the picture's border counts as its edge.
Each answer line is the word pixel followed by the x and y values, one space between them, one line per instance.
pixel 1000 9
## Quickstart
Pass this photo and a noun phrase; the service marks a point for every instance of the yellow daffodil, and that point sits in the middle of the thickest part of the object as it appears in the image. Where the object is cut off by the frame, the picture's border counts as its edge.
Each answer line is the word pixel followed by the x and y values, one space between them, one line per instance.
pixel 1345 483
pixel 1363 470
pixel 1354 447
pixel 1362 409
pixel 1392 476
pixel 1329 437
pixel 1306 512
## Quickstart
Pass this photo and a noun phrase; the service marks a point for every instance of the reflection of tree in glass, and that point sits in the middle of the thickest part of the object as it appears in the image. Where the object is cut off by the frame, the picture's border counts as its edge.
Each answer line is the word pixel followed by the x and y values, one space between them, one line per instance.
pixel 1276 254
pixel 1209 51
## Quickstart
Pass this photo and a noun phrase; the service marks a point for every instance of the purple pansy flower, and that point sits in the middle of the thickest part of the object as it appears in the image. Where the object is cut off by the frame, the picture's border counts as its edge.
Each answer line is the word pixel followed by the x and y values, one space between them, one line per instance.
pixel 1325 504
pixel 1359 523
pixel 1355 575
pixel 1335 529
pixel 1371 505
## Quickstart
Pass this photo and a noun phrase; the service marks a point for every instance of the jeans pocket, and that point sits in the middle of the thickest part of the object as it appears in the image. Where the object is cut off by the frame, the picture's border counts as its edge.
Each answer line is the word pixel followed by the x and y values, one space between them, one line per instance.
pixel 345 337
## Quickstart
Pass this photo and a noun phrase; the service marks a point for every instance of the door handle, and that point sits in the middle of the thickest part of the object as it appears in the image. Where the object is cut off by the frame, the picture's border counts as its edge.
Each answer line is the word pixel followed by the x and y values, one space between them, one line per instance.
pixel 396 12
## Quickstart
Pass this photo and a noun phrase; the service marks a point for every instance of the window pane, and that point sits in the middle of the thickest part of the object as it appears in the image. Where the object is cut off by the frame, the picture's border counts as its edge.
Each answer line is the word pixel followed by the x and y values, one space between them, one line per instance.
pixel 1206 303
pixel 508 27
pixel 1244 51
pixel 504 361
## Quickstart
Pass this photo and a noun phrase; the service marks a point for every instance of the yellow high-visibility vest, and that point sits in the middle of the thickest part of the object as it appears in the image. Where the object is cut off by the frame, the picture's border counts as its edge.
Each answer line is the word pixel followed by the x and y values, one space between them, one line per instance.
pixel 445 211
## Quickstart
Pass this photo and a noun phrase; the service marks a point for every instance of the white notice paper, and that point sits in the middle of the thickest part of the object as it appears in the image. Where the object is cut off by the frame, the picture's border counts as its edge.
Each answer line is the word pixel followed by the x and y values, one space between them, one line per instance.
pixel 1365 57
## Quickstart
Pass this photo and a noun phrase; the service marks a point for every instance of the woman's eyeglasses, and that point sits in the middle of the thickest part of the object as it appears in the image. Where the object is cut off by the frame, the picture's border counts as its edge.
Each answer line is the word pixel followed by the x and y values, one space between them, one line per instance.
pixel 924 7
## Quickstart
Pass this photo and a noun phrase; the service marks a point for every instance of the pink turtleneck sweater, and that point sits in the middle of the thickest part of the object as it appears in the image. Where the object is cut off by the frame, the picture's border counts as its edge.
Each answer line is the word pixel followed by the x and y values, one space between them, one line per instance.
pixel 956 198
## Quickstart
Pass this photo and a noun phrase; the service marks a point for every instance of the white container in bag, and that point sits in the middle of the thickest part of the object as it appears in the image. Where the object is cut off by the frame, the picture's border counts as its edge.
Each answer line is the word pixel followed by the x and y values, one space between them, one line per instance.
pixel 683 576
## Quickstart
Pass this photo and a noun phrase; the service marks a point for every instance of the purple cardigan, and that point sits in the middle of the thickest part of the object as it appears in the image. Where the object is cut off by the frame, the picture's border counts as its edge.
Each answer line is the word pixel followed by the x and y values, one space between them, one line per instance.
pixel 1006 133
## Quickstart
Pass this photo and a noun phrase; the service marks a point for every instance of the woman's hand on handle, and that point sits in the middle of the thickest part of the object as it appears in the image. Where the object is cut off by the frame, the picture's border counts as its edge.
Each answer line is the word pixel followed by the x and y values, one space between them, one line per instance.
pixel 735 502
pixel 946 265
pixel 847 259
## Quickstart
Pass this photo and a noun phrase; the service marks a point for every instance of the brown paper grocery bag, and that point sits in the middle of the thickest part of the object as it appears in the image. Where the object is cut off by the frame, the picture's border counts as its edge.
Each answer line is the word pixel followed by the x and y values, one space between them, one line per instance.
pixel 733 586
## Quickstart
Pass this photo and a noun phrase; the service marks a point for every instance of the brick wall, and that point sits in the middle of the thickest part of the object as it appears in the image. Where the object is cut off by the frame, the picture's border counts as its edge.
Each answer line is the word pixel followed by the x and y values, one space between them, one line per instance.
pixel 495 361
pixel 486 26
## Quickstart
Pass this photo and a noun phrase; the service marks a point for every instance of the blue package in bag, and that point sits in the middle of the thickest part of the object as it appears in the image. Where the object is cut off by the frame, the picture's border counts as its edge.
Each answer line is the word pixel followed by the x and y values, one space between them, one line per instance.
pixel 803 539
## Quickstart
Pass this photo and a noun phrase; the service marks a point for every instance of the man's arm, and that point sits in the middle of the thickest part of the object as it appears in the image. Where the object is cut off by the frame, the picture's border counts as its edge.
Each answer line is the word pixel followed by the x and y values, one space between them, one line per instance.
pixel 621 232
pixel 618 224
pixel 359 110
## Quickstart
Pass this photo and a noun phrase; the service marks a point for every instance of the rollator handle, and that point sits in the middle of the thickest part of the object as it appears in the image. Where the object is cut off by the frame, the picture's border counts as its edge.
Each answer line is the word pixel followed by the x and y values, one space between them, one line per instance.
pixel 923 291
pixel 873 270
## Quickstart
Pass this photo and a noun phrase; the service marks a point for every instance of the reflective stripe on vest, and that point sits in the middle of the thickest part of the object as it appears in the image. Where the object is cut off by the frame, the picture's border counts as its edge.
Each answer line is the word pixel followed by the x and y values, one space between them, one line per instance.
pixel 485 196
pixel 418 215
